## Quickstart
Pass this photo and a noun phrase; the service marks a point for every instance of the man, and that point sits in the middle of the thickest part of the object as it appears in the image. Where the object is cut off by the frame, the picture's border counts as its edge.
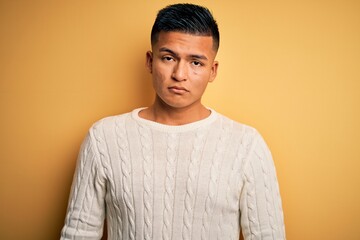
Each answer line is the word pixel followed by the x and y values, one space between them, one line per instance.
pixel 177 169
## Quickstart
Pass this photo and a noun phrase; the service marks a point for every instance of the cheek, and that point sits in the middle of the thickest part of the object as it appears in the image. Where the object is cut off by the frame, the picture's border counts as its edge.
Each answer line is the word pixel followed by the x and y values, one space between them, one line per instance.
pixel 202 72
pixel 158 79
pixel 160 71
pixel 201 78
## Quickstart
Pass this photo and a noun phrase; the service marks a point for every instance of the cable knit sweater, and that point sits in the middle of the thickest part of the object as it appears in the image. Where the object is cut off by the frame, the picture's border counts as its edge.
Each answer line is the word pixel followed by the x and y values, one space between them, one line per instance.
pixel 202 180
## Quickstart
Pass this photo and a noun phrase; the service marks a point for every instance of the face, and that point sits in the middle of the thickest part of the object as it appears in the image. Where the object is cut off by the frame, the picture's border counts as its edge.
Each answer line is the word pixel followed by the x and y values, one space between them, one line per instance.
pixel 181 65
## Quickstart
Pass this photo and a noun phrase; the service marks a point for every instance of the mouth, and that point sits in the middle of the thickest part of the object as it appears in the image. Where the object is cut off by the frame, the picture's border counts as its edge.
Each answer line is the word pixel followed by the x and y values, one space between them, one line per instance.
pixel 178 89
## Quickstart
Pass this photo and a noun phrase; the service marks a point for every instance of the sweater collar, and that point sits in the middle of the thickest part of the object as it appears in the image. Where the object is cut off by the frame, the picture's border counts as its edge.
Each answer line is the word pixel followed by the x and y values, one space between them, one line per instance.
pixel 174 129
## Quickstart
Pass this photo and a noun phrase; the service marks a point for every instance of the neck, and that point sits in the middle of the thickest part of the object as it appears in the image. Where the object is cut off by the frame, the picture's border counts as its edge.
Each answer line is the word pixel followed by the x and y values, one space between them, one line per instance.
pixel 165 114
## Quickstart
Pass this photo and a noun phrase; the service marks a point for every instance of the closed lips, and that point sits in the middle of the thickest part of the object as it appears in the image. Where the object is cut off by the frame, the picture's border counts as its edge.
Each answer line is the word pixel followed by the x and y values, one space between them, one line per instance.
pixel 177 88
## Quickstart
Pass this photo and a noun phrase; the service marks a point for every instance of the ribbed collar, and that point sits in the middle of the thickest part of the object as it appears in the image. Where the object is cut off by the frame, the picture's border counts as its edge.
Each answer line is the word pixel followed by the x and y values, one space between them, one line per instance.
pixel 174 129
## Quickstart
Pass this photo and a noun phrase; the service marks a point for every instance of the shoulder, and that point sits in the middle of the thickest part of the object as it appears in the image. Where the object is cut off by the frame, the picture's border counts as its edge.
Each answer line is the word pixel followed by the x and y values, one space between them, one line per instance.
pixel 238 129
pixel 248 137
pixel 108 126
pixel 110 121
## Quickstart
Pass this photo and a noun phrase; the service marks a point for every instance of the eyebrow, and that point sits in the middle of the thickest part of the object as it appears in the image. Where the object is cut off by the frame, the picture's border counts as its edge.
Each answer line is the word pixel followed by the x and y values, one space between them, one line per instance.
pixel 197 56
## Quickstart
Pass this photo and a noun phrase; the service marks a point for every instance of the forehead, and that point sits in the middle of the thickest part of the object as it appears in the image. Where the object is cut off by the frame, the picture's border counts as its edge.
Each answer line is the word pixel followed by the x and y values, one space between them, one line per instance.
pixel 185 43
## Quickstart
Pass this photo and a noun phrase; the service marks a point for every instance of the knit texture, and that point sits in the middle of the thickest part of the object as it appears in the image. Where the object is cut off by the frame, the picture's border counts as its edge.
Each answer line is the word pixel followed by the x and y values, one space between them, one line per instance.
pixel 204 180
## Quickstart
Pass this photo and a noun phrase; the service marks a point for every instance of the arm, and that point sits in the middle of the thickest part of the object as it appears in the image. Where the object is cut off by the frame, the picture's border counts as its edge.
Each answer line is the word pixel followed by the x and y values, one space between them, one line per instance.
pixel 86 208
pixel 260 202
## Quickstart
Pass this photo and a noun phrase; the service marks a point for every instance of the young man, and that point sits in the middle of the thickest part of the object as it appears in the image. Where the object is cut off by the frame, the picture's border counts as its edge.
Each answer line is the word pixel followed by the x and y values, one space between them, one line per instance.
pixel 177 169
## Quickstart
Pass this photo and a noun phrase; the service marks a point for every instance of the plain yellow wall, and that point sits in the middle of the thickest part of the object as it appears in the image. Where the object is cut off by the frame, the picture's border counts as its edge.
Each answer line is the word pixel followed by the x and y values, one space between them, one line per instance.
pixel 289 68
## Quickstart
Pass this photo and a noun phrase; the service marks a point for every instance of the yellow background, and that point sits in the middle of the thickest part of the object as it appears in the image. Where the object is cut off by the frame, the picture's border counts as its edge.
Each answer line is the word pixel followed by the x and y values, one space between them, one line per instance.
pixel 289 68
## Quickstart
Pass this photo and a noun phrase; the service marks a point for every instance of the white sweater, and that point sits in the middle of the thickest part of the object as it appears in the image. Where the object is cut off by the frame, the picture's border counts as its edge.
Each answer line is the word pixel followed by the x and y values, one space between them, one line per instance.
pixel 202 180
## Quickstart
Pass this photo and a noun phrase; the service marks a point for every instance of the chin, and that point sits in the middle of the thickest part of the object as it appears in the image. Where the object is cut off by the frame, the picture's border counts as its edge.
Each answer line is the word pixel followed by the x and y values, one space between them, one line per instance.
pixel 175 104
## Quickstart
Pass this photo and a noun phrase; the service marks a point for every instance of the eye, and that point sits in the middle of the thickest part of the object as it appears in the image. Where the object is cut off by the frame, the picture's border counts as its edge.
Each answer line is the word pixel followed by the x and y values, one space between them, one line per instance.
pixel 167 58
pixel 197 63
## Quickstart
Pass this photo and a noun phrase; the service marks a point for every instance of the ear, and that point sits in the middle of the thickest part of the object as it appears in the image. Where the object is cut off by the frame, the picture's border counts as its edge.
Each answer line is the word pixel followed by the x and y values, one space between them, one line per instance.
pixel 149 60
pixel 213 73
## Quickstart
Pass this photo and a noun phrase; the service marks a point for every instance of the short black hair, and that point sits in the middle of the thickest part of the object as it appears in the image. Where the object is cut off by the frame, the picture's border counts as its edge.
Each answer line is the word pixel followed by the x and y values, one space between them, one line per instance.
pixel 186 18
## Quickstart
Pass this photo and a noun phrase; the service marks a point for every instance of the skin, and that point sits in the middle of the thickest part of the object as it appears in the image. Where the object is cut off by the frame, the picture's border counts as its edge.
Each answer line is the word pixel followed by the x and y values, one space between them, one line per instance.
pixel 181 65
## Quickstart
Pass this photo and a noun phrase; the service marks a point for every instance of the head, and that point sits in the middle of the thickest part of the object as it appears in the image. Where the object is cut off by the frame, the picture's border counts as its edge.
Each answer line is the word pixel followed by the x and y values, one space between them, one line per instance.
pixel 185 40
pixel 186 18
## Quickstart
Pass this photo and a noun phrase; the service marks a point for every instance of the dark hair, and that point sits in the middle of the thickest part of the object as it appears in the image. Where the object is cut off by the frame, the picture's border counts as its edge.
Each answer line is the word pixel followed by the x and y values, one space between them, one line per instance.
pixel 187 18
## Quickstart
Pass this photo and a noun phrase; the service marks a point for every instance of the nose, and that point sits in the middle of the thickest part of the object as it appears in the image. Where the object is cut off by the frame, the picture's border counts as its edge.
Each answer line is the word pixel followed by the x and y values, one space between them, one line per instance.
pixel 180 72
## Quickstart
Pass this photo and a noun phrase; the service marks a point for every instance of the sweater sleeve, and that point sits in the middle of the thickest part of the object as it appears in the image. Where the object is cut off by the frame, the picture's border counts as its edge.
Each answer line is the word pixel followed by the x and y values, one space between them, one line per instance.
pixel 260 202
pixel 86 207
